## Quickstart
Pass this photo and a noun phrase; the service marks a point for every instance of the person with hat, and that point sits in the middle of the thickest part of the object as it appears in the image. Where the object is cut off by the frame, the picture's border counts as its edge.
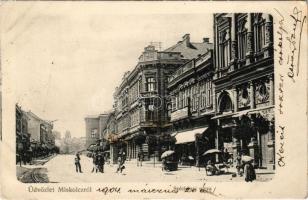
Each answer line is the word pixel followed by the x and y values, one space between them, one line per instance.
pixel 77 163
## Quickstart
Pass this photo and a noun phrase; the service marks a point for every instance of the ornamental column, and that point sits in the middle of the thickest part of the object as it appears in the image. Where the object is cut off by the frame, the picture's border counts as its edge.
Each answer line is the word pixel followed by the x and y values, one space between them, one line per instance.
pixel 271 92
pixel 233 43
pixel 235 97
pixel 271 146
pixel 252 95
pixel 249 52
pixel 214 98
pixel 268 36
pixel 253 145
pixel 236 145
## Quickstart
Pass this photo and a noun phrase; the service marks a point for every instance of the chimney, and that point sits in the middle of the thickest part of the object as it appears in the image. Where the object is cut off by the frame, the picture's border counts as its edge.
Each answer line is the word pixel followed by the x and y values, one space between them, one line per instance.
pixel 206 40
pixel 186 39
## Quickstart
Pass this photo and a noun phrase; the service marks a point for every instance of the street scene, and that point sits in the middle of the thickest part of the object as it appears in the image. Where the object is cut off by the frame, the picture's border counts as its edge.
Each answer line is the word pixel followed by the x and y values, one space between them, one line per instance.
pixel 61 169
pixel 182 110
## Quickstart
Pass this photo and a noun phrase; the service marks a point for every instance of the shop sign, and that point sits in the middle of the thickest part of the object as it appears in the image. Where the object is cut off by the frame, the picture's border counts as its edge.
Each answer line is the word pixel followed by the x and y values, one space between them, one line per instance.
pixel 145 148
pixel 179 114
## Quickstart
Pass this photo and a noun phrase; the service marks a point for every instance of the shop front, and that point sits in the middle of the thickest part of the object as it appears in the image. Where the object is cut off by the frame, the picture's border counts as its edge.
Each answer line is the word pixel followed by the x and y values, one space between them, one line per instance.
pixel 248 133
pixel 190 144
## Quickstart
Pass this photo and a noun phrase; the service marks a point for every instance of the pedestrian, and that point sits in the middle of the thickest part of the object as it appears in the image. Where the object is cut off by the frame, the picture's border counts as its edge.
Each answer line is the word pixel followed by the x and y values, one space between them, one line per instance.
pixel 121 161
pixel 164 164
pixel 95 164
pixel 77 163
pixel 140 159
pixel 238 164
pixel 249 172
pixel 226 155
pixel 100 162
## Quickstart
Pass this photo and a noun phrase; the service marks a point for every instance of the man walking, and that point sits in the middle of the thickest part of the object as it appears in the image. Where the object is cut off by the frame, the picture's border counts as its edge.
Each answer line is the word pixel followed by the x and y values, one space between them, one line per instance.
pixel 140 159
pixel 102 163
pixel 95 162
pixel 77 163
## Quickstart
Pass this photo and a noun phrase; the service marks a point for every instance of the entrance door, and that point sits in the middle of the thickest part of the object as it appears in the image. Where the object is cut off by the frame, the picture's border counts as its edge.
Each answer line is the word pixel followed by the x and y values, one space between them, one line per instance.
pixel 263 150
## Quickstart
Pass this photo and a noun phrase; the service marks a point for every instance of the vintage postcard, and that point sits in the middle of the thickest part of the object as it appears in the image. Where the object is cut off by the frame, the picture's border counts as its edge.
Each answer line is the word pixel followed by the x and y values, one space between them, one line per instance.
pixel 153 100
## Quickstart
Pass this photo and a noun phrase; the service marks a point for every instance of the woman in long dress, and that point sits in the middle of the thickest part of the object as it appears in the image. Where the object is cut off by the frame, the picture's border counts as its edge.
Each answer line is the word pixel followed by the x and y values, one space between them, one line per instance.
pixel 249 172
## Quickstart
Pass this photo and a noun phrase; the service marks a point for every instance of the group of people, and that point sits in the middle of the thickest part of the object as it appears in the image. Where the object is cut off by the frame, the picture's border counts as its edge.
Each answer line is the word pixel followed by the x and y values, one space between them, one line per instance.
pixel 243 168
pixel 98 162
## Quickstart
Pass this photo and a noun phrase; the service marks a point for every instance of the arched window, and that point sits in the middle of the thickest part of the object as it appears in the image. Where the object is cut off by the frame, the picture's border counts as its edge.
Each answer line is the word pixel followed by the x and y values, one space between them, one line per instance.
pixel 225 104
pixel 225 48
pixel 242 39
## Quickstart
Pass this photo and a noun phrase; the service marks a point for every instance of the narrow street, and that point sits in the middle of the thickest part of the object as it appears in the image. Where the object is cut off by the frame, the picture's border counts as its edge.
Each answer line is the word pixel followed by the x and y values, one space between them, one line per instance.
pixel 62 169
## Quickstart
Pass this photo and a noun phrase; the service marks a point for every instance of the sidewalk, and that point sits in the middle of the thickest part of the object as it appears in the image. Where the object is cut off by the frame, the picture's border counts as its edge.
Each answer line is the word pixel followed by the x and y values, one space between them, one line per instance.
pixel 262 174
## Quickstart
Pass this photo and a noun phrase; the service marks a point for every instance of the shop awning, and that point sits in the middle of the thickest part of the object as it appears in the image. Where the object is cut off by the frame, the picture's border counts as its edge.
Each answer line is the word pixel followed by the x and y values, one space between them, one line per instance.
pixel 188 136
pixel 240 113
pixel 226 115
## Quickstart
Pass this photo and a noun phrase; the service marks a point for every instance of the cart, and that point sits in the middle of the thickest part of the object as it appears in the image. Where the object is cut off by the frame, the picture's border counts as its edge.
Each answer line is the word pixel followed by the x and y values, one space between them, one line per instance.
pixel 169 161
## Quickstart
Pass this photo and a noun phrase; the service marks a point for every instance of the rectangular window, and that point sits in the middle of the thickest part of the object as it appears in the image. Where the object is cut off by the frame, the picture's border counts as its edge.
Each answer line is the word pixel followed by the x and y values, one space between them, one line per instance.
pixel 181 100
pixel 150 84
pixel 242 45
pixel 93 133
pixel 173 103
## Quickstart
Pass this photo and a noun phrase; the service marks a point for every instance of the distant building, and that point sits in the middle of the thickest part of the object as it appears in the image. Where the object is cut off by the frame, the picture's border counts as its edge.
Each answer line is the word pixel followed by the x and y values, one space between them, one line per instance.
pixel 22 132
pixel 40 131
pixel 67 135
pixel 94 128
pixel 57 135
pixel 110 134
pixel 34 127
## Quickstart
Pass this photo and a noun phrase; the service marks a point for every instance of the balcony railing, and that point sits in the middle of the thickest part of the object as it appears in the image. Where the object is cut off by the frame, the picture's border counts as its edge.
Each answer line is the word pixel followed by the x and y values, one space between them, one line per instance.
pixel 155 55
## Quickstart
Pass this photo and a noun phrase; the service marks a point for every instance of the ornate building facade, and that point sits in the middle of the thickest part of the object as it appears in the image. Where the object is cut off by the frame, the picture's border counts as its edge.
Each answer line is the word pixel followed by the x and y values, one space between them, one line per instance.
pixel 244 85
pixel 191 92
pixel 140 109
pixel 141 99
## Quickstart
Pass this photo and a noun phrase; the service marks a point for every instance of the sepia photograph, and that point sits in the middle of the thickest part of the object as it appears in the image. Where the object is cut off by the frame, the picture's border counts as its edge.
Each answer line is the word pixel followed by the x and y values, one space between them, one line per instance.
pixel 162 99
pixel 196 102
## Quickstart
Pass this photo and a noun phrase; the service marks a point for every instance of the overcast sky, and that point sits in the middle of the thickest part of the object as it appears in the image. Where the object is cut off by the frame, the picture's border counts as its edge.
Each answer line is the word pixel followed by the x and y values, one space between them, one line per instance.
pixel 66 65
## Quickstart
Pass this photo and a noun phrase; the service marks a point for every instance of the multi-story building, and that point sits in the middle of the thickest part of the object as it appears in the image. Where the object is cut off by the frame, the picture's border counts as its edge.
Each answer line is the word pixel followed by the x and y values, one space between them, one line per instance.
pixel 94 128
pixel 110 135
pixel 140 101
pixel 34 127
pixel 22 133
pixel 40 130
pixel 244 85
pixel 191 108
pixel 92 134
pixel 33 134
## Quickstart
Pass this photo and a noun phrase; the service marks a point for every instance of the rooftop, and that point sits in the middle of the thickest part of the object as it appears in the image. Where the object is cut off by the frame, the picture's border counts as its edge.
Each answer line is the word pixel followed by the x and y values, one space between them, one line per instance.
pixel 190 50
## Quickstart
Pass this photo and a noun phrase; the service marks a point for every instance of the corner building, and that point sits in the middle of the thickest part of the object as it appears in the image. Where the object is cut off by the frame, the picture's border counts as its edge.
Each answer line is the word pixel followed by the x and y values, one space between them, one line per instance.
pixel 244 85
pixel 141 99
